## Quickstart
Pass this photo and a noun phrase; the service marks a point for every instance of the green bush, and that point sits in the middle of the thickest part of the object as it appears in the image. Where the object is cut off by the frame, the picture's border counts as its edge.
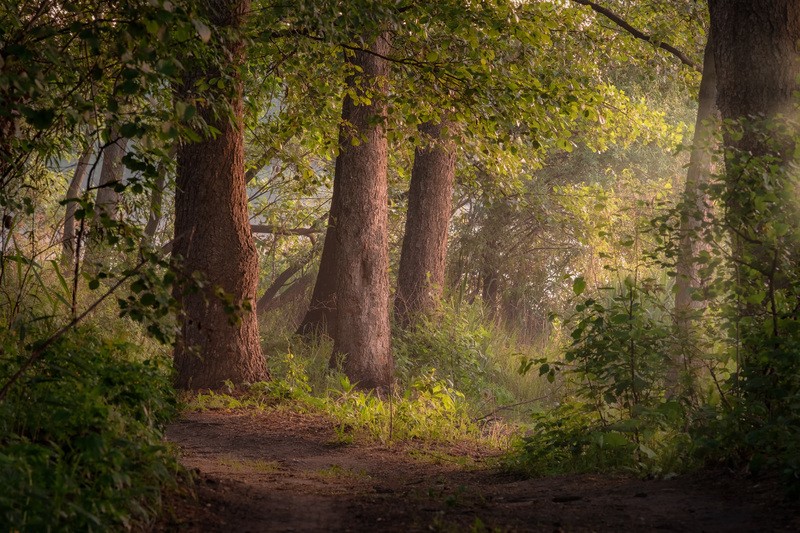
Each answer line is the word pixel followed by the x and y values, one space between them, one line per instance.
pixel 576 437
pixel 80 435
pixel 615 366
pixel 462 350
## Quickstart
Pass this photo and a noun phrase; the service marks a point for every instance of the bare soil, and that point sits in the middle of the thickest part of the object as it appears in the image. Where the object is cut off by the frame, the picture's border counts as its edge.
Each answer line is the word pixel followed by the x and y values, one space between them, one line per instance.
pixel 287 471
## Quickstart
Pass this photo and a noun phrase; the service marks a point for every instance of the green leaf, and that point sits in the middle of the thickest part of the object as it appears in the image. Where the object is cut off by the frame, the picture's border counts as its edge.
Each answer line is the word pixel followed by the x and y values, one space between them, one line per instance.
pixel 579 285
pixel 40 118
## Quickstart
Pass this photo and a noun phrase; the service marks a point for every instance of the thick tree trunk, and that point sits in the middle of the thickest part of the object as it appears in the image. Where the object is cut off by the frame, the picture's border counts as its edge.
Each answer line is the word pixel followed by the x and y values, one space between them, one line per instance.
pixel 320 319
pixel 362 340
pixel 111 173
pixel 212 238
pixel 73 192
pixel 758 67
pixel 757 62
pixel 421 274
pixel 693 213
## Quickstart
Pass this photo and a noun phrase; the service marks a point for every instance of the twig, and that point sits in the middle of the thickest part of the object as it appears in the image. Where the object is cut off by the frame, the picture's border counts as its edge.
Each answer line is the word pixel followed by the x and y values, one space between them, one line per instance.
pixel 39 352
pixel 510 406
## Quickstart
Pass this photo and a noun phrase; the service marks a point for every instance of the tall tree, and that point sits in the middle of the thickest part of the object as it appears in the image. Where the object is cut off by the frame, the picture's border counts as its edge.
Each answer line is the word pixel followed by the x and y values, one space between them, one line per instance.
pixel 111 174
pixel 362 339
pixel 693 214
pixel 758 72
pixel 320 319
pixel 758 78
pixel 212 231
pixel 73 191
pixel 421 274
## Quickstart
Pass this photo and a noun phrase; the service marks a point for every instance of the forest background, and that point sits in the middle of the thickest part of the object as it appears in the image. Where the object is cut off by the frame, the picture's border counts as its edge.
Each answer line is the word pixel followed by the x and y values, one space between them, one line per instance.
pixel 582 211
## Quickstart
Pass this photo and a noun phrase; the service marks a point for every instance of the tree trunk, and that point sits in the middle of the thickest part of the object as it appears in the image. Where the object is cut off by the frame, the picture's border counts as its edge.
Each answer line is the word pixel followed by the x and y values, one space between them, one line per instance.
pixel 423 257
pixel 73 191
pixel 107 202
pixel 157 198
pixel 758 66
pixel 693 213
pixel 212 237
pixel 320 319
pixel 757 61
pixel 362 264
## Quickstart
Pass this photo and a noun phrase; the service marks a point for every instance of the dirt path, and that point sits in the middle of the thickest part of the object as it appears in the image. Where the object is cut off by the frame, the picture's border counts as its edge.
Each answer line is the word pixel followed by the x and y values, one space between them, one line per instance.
pixel 284 471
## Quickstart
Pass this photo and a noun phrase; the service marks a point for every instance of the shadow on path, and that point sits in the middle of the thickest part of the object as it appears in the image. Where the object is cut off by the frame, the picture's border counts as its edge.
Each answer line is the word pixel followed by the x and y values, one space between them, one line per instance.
pixel 285 471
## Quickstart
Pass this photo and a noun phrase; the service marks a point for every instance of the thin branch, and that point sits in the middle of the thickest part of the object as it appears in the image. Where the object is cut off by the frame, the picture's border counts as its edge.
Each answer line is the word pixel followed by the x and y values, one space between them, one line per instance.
pixel 277 230
pixel 40 350
pixel 511 406
pixel 622 23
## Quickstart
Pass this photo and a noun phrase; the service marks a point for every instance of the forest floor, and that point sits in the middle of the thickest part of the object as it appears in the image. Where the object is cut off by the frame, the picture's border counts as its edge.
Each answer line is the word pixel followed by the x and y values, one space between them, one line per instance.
pixel 287 471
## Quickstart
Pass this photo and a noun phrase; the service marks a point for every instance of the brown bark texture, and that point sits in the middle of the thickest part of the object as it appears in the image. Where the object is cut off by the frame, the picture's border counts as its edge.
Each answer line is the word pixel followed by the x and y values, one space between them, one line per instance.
pixel 212 238
pixel 73 192
pixel 423 257
pixel 362 342
pixel 694 212
pixel 758 67
pixel 757 60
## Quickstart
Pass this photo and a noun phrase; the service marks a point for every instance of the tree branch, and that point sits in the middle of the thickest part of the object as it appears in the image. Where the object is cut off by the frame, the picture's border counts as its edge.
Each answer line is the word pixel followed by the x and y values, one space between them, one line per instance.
pixel 40 350
pixel 295 288
pixel 277 230
pixel 622 23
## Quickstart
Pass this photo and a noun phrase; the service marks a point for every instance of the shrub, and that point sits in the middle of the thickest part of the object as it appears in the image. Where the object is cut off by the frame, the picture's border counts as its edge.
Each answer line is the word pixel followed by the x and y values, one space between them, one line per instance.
pixel 80 435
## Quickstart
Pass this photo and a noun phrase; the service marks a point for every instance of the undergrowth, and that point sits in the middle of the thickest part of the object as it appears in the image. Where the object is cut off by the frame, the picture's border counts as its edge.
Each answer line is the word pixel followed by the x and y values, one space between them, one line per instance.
pixel 429 410
pixel 476 358
pixel 455 377
pixel 81 434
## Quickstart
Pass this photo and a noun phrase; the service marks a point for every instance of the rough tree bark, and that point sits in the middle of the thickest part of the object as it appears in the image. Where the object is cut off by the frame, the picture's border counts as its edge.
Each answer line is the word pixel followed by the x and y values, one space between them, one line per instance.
pixel 758 66
pixel 73 191
pixel 212 236
pixel 362 342
pixel 756 57
pixel 758 71
pixel 692 216
pixel 423 257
